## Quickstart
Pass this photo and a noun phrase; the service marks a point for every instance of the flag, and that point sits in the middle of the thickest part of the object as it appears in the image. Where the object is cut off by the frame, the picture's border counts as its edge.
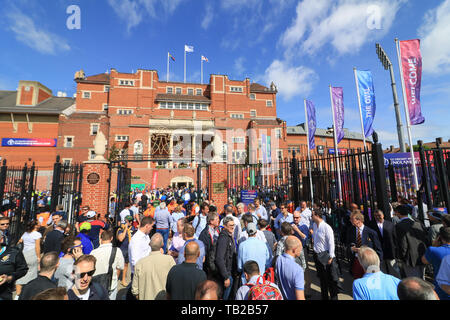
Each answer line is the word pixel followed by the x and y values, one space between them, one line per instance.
pixel 264 148
pixel 367 100
pixel 411 61
pixel 171 57
pixel 188 48
pixel 269 149
pixel 204 58
pixel 338 107
pixel 311 112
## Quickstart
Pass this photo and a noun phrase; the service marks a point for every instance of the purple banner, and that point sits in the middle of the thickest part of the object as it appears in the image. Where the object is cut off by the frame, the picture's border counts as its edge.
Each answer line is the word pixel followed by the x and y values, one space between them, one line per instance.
pixel 338 107
pixel 311 112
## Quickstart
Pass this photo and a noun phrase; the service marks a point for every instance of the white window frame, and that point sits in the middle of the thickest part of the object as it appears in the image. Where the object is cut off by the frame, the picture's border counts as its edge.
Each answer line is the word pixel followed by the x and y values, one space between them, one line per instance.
pixel 121 138
pixel 126 82
pixel 169 88
pixel 106 88
pixel 91 153
pixel 278 133
pixel 178 88
pixel 88 93
pixel 65 141
pixel 252 96
pixel 190 94
pixel 252 113
pixel 124 112
pixel 236 89
pixel 198 92
pixel 269 103
pixel 63 160
pixel 92 126
pixel 236 116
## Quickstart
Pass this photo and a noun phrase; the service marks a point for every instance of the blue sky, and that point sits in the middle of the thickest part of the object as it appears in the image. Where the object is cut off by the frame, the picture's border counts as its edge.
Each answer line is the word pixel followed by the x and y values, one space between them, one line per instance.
pixel 303 46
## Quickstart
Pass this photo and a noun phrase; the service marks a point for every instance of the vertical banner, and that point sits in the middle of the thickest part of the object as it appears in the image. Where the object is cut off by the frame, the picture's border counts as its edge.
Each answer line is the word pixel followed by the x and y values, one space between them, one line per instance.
pixel 338 107
pixel 252 177
pixel 155 179
pixel 311 114
pixel 264 148
pixel 411 63
pixel 366 94
pixel 269 150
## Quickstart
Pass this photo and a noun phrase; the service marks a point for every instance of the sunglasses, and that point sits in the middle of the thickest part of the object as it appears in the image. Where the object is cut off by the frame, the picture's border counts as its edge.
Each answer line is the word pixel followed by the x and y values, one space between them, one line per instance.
pixel 83 274
pixel 4 224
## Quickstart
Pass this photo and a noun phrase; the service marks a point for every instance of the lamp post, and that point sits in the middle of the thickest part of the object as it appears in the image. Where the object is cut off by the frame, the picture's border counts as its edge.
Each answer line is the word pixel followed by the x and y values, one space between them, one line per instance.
pixel 384 59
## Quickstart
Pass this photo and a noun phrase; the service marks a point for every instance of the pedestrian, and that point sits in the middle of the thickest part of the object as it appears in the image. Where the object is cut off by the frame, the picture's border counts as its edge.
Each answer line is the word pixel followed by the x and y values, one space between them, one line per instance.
pixel 260 211
pixel 4 228
pixel 72 249
pixel 48 265
pixel 285 231
pixel 305 213
pixel 31 240
pixel 290 274
pixel 138 247
pixel 183 279
pixel 13 266
pixel 85 228
pixel 324 257
pixel 162 218
pixel 200 221
pixel 150 276
pixel 123 237
pixel 253 249
pixel 443 277
pixel 189 236
pixel 226 257
pixel 209 237
pixel 285 216
pixel 177 239
pixel 253 278
pixel 249 218
pixel 175 215
pixel 411 243
pixel 208 290
pixel 84 288
pixel 374 285
pixel 238 229
pixel 413 288
pixel 125 212
pixel 274 212
pixel 58 293
pixel 97 227
pixel 54 238
pixel 270 237
pixel 110 261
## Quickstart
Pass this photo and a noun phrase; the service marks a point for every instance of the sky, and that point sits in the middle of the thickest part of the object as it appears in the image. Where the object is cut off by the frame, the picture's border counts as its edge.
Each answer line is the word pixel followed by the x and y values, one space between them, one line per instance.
pixel 303 46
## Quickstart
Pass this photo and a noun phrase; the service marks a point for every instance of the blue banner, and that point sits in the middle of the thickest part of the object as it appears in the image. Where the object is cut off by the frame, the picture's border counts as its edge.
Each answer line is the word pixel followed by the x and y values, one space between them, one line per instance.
pixel 28 142
pixel 311 112
pixel 367 100
pixel 264 148
pixel 248 196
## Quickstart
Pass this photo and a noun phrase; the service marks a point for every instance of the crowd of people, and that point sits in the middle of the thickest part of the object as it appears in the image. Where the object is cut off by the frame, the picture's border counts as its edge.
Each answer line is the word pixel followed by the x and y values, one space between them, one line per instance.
pixel 165 245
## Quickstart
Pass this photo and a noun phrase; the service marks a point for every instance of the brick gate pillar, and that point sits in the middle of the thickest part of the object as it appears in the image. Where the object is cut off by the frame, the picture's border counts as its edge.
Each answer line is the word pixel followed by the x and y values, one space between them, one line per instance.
pixel 217 187
pixel 95 186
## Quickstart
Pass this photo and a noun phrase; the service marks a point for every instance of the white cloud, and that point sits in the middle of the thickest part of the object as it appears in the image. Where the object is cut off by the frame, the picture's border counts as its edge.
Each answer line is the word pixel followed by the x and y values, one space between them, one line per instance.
pixel 436 50
pixel 345 24
pixel 128 11
pixel 290 80
pixel 209 14
pixel 239 66
pixel 28 33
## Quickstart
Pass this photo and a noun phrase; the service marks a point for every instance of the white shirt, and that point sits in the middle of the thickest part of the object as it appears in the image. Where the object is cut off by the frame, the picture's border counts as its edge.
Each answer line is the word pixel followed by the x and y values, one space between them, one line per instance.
pixel 138 248
pixel 85 296
pixel 259 235
pixel 262 211
pixel 125 212
pixel 305 217
pixel 29 240
pixel 102 254
pixel 134 209
pixel 237 229
pixel 323 238
pixel 380 227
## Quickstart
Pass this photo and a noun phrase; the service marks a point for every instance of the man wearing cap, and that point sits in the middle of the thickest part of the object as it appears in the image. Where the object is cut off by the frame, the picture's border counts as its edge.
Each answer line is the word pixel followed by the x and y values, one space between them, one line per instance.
pixel 85 228
pixel 97 226
pixel 253 249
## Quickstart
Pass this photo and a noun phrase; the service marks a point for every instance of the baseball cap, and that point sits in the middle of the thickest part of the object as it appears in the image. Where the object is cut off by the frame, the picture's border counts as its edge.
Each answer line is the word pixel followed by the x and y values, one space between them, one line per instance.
pixel 85 226
pixel 436 213
pixel 91 214
pixel 251 229
pixel 129 218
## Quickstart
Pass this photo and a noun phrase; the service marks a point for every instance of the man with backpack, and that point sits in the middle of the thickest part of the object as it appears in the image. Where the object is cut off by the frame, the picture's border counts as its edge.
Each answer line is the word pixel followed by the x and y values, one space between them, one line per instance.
pixel 257 288
pixel 200 221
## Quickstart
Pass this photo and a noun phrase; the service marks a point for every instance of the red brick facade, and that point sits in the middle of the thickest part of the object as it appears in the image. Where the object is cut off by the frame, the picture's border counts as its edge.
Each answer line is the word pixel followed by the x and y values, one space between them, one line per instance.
pixel 96 195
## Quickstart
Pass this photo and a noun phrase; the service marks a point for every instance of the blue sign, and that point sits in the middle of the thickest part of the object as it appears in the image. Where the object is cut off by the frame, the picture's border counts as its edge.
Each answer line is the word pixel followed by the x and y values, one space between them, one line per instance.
pixel 367 100
pixel 33 142
pixel 248 196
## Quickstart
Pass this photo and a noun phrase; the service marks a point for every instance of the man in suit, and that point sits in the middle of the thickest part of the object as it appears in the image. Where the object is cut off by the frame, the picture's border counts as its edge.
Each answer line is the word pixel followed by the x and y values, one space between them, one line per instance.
pixel 358 235
pixel 411 243
pixel 386 233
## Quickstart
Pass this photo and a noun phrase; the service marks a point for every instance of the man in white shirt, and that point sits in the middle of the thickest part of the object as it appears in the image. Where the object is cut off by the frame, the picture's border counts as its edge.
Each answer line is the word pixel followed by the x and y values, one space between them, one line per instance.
pixel 324 257
pixel 138 247
pixel 305 214
pixel 238 228
pixel 103 254
pixel 125 212
pixel 260 211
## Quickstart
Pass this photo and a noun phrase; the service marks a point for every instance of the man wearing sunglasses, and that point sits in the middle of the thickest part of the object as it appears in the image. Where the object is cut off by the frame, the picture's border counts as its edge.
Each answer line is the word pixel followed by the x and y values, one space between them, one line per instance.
pixel 84 288
pixel 4 228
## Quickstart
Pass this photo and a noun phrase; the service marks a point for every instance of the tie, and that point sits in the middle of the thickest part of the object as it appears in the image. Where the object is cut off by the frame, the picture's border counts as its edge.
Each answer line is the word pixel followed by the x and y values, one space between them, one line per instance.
pixel 358 239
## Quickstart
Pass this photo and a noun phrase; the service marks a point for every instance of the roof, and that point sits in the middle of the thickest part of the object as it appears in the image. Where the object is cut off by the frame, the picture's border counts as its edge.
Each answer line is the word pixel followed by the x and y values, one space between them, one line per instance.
pixel 300 129
pixel 53 105
pixel 268 122
pixel 97 78
pixel 256 87
pixel 181 97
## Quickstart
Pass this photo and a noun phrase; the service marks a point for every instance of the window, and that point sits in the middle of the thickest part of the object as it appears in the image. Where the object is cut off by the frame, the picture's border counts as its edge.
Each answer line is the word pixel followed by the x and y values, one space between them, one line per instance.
pixel 124 111
pixel 126 83
pixel 169 105
pixel 91 154
pixel 191 92
pixel 180 105
pixel 176 105
pixel 278 133
pixel 105 107
pixel 198 92
pixel 121 138
pixel 204 107
pixel 268 103
pixel 106 88
pixel 224 151
pixel 178 90
pixel 239 155
pixel 236 89
pixel 253 113
pixel 66 162
pixel 94 128
pixel 86 95
pixel 169 90
pixel 68 141
pixel 238 139
pixel 237 116
pixel 162 105
pixel 252 96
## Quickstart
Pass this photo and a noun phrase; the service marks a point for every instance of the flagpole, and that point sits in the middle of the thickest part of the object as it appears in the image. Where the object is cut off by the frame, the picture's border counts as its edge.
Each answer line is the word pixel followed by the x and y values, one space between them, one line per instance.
pixel 408 121
pixel 309 156
pixel 167 66
pixel 185 64
pixel 201 68
pixel 336 150
pixel 360 110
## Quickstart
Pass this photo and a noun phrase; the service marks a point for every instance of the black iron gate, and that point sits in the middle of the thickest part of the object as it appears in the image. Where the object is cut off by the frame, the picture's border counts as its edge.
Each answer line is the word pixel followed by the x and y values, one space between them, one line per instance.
pixel 17 197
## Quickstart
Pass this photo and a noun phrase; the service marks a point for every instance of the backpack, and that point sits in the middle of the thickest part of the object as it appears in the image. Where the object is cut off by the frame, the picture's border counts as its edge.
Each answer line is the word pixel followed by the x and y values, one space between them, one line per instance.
pixel 105 279
pixel 263 291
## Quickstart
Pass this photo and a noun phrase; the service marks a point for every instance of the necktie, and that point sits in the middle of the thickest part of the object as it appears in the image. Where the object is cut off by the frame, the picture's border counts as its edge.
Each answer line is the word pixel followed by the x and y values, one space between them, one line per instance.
pixel 358 239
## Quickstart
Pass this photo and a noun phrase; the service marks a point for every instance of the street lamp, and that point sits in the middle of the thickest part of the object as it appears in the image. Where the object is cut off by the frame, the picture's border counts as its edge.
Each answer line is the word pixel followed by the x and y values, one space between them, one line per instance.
pixel 384 59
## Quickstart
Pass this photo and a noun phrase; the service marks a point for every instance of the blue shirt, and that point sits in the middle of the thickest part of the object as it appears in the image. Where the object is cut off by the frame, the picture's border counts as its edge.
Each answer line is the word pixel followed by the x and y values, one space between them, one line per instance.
pixel 162 218
pixel 174 217
pixel 376 286
pixel 199 226
pixel 435 255
pixel 281 218
pixel 253 249
pixel 305 230
pixel 443 278
pixel 291 276
pixel 200 258
pixel 86 242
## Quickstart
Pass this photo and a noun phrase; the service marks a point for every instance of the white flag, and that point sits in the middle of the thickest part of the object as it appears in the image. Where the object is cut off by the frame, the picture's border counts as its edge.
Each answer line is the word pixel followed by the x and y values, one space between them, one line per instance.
pixel 188 48
pixel 204 58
